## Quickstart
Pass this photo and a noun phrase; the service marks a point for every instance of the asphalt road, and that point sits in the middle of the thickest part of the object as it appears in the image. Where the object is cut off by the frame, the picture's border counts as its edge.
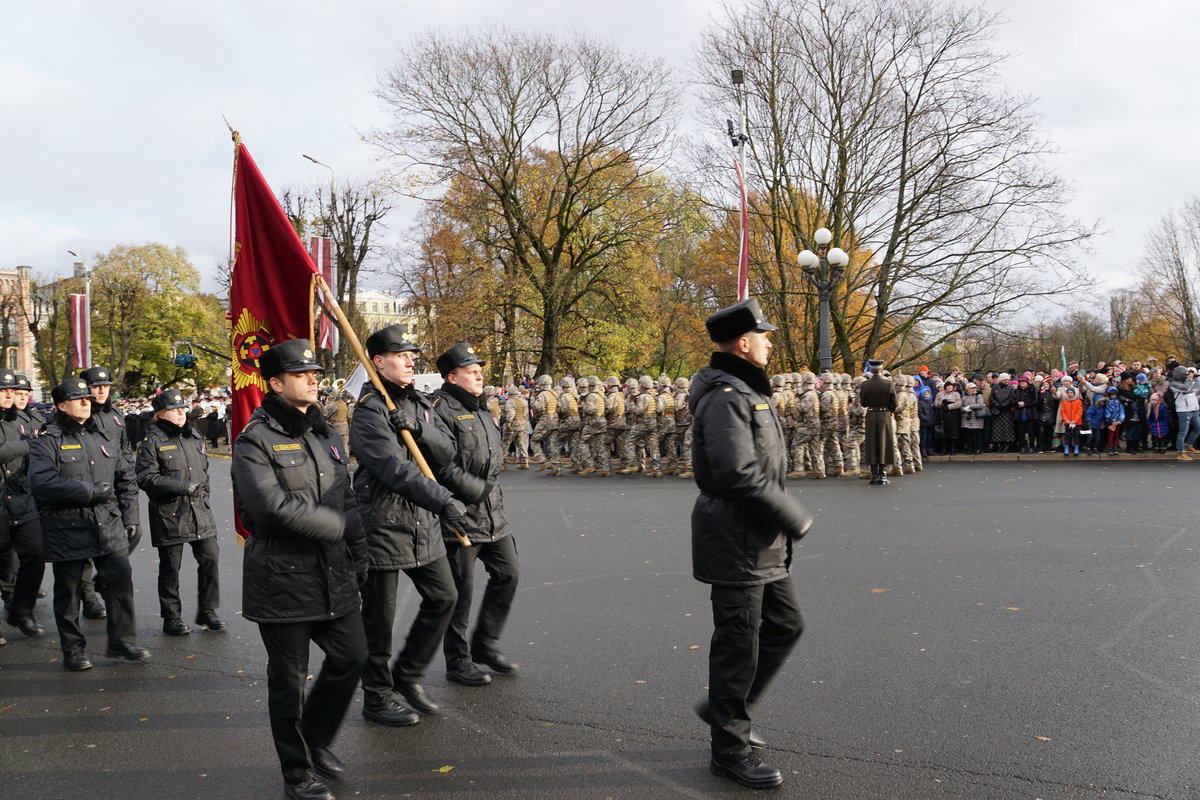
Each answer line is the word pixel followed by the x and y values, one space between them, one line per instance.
pixel 976 631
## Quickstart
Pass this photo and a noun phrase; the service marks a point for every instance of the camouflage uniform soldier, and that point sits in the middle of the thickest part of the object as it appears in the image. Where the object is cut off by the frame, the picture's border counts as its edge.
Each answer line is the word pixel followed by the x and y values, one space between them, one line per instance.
pixel 569 423
pixel 779 402
pixel 664 409
pixel 830 434
pixel 856 431
pixel 841 420
pixel 545 426
pixel 643 430
pixel 493 403
pixel 594 450
pixel 516 425
pixel 914 430
pixel 904 397
pixel 683 427
pixel 807 444
pixel 629 393
pixel 614 412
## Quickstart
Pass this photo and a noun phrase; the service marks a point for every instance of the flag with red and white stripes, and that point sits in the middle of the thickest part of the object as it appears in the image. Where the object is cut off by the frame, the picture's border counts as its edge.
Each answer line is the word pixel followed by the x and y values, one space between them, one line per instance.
pixel 81 329
pixel 321 250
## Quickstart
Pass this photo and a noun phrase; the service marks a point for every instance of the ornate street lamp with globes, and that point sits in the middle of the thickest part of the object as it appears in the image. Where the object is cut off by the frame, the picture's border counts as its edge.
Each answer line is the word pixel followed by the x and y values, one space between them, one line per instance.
pixel 822 269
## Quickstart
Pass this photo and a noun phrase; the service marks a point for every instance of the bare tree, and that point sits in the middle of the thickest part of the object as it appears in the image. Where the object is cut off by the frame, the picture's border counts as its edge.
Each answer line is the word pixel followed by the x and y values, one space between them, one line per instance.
pixel 350 213
pixel 886 122
pixel 1171 273
pixel 559 136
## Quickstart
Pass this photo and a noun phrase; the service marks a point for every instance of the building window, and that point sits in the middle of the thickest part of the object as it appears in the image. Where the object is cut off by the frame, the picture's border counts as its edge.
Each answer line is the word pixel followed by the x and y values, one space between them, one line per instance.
pixel 12 358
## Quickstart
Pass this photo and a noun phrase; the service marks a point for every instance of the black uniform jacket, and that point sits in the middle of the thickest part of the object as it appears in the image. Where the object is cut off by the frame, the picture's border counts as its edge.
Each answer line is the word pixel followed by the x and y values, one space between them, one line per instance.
pixel 397 502
pixel 15 434
pixel 473 475
pixel 292 491
pixel 169 459
pixel 111 424
pixel 743 522
pixel 66 461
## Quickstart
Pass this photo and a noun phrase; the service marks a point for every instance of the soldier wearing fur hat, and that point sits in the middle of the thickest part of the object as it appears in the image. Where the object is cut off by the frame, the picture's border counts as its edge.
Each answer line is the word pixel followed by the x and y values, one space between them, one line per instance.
pixel 22 526
pixel 400 507
pixel 302 565
pixel 474 477
pixel 87 500
pixel 744 529
pixel 877 396
pixel 172 469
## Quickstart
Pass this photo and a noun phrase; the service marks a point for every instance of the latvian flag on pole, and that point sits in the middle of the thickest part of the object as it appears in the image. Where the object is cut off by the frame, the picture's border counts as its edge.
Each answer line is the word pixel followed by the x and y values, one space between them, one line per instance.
pixel 81 332
pixel 321 250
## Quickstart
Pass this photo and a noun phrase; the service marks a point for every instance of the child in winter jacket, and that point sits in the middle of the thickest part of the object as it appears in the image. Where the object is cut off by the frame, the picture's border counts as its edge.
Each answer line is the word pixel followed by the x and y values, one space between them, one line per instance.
pixel 1114 418
pixel 1158 418
pixel 1093 419
pixel 1070 414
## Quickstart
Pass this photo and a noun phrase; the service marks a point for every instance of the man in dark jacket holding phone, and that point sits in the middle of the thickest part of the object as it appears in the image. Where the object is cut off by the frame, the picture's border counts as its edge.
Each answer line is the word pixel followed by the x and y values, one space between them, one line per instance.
pixel 744 526
pixel 302 565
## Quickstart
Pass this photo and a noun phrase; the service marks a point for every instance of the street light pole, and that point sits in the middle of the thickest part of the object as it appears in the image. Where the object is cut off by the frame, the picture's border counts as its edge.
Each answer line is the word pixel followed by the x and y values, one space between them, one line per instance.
pixel 87 293
pixel 822 269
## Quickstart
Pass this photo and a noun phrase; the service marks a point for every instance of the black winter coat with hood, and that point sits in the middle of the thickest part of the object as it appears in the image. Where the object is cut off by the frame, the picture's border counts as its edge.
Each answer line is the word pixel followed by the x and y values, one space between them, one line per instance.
pixel 68 462
pixel 292 490
pixel 397 502
pixel 473 474
pixel 744 521
pixel 170 458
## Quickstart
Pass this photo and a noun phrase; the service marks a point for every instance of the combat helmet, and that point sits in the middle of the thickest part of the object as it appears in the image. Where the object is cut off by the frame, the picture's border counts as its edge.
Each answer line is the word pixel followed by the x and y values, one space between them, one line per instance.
pixel 544 381
pixel 612 380
pixel 567 382
pixel 681 382
pixel 645 382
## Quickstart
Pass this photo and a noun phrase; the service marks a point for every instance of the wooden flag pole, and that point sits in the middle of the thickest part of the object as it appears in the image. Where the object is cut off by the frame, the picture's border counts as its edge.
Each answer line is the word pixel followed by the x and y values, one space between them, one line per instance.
pixel 369 366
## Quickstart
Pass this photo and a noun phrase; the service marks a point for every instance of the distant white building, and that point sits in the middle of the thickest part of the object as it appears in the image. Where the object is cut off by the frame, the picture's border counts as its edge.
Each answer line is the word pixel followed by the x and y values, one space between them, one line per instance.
pixel 379 309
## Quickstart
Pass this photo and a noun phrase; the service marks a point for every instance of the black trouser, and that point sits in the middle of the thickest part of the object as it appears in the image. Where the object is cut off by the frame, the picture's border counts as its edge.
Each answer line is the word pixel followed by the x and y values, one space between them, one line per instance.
pixel 115 575
pixel 90 590
pixel 31 566
pixel 9 564
pixel 974 440
pixel 438 596
pixel 300 724
pixel 170 558
pixel 500 560
pixel 754 631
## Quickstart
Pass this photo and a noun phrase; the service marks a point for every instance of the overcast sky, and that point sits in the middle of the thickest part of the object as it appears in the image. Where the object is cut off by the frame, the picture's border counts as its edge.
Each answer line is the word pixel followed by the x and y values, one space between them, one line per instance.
pixel 112 129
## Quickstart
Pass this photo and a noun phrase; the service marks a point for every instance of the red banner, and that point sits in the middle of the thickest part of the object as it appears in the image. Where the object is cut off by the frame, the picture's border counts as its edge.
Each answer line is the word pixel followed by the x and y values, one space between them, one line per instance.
pixel 272 284
pixel 81 329
pixel 321 250
pixel 744 239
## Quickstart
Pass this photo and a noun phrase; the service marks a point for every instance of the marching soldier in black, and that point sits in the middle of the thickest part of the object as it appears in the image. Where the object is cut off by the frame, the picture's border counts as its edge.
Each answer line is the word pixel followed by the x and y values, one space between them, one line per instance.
pixel 473 476
pixel 878 396
pixel 302 565
pixel 110 423
pixel 744 526
pixel 398 506
pixel 24 527
pixel 32 423
pixel 87 500
pixel 172 469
